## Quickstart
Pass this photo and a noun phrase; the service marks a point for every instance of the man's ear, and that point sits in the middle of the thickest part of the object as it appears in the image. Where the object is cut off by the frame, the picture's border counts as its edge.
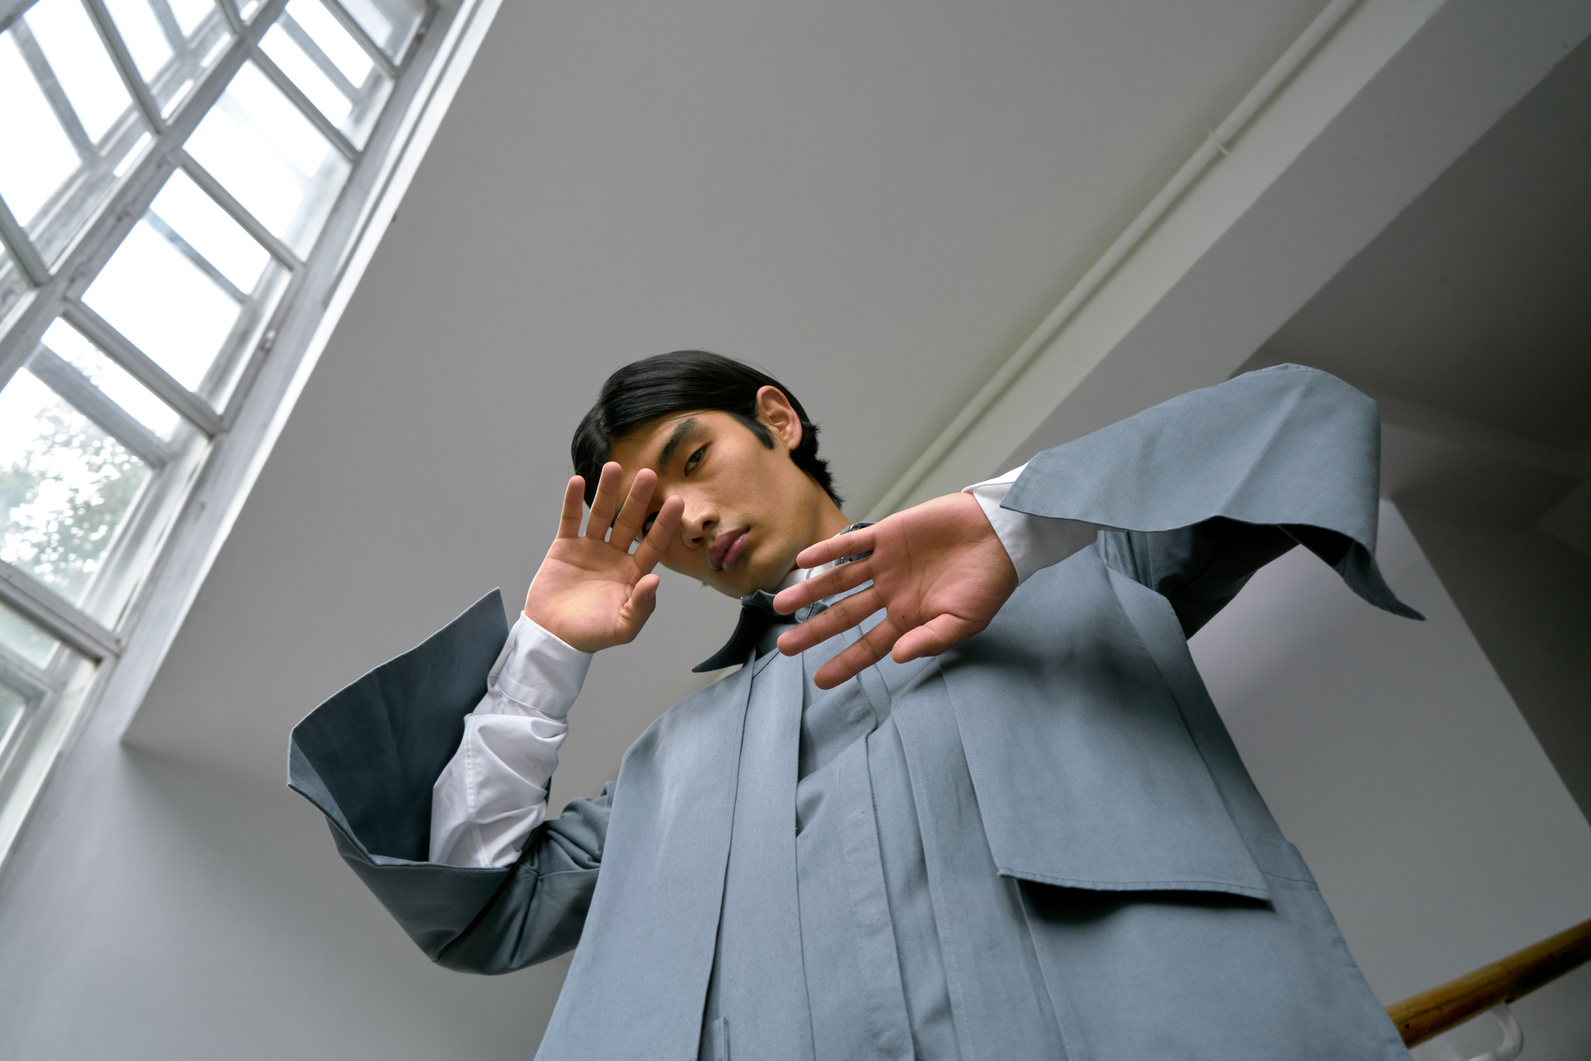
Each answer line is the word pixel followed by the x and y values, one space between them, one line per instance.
pixel 776 412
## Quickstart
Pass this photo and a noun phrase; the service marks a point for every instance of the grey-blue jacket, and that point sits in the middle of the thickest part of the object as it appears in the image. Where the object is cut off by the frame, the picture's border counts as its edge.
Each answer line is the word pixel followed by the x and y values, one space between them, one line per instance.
pixel 1163 913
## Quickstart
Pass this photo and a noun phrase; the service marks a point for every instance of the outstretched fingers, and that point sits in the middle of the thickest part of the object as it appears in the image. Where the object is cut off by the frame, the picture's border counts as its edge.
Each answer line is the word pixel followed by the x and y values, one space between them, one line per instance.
pixel 633 512
pixel 852 611
pixel 849 544
pixel 835 580
pixel 574 496
pixel 605 501
pixel 862 654
pixel 664 527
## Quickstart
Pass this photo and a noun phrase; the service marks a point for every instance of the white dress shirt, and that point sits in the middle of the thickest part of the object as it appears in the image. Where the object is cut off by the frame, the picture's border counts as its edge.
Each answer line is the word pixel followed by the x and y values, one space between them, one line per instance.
pixel 493 791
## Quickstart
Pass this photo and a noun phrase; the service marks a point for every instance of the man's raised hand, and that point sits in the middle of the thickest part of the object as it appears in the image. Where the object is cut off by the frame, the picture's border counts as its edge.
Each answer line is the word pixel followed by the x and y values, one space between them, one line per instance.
pixel 591 592
pixel 938 570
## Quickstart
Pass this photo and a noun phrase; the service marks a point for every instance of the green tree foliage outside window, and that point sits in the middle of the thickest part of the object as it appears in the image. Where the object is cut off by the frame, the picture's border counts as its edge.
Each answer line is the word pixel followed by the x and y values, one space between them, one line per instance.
pixel 63 496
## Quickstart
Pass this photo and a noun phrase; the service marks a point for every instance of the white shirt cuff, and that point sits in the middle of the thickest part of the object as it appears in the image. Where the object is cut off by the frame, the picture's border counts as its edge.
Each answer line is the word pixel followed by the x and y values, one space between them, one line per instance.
pixel 536 671
pixel 1032 542
pixel 493 792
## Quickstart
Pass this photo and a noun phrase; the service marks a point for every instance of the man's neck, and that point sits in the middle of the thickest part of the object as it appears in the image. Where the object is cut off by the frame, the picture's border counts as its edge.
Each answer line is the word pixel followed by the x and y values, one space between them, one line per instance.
pixel 831 521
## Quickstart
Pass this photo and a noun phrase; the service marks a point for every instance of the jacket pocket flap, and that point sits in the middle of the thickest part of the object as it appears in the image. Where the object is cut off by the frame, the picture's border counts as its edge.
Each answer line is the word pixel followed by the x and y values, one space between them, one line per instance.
pixel 1084 771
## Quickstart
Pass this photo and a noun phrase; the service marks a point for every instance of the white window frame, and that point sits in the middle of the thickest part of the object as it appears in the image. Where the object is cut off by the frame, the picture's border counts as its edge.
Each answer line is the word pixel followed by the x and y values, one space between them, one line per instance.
pixel 128 656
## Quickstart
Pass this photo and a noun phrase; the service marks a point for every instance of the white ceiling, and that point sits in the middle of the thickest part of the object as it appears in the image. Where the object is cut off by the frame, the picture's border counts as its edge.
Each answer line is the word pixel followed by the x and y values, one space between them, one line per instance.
pixel 1469 318
pixel 1477 299
pixel 875 202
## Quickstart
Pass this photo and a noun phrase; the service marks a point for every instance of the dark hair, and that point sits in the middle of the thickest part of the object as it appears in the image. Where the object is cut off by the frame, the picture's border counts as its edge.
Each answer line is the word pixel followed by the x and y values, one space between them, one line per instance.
pixel 680 382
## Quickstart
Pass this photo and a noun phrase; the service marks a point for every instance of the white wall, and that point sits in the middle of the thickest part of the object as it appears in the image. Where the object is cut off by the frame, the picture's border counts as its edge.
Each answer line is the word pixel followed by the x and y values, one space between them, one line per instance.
pixel 203 918
pixel 1394 758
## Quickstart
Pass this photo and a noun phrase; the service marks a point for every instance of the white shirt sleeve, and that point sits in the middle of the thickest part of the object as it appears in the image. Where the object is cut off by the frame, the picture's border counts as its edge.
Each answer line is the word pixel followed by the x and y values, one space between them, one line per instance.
pixel 1032 542
pixel 493 791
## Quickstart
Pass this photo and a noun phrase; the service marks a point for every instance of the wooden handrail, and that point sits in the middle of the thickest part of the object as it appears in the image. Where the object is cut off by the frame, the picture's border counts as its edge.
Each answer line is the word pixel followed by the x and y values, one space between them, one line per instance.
pixel 1433 1012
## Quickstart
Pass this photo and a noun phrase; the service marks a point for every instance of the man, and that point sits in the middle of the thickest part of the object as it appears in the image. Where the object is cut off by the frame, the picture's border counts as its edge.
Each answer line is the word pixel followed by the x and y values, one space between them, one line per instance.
pixel 976 804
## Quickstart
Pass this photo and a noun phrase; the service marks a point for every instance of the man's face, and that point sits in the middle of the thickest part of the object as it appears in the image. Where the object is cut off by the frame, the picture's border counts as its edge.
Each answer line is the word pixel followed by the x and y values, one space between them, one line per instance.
pixel 748 509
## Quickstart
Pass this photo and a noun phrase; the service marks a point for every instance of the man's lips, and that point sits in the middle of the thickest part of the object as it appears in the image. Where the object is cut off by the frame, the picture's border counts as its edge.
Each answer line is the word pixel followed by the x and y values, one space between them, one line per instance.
pixel 727 548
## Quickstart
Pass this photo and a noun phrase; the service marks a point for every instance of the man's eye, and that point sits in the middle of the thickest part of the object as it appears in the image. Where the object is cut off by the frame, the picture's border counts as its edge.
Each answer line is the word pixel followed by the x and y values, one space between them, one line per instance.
pixel 695 458
pixel 646 527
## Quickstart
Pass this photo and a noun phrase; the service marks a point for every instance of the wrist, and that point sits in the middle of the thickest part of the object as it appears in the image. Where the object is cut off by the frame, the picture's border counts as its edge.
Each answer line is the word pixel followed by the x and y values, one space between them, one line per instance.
pixel 562 637
pixel 984 527
pixel 573 638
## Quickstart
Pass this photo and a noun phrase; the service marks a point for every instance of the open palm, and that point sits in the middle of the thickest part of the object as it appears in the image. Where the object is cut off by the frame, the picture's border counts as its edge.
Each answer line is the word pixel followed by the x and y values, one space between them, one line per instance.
pixel 591 592
pixel 938 571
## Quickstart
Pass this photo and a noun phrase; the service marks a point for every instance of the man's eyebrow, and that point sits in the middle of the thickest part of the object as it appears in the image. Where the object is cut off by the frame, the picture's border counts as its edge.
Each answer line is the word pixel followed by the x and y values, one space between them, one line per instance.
pixel 676 437
pixel 681 432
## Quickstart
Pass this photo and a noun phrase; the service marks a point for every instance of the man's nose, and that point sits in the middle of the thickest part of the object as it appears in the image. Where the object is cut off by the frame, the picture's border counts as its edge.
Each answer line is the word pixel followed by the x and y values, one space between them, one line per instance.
pixel 697 521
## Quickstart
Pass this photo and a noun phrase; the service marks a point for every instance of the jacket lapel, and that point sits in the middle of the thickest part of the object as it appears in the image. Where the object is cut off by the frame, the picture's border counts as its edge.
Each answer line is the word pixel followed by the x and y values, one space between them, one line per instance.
pixel 760 966
pixel 639 978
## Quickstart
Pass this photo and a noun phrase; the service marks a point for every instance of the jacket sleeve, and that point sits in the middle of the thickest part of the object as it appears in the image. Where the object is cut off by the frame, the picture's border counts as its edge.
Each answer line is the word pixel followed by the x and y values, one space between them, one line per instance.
pixel 368 757
pixel 1207 488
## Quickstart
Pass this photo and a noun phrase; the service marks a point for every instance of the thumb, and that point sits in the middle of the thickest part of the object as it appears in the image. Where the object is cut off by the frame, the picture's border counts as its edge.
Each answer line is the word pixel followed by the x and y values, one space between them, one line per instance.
pixel 933 637
pixel 643 599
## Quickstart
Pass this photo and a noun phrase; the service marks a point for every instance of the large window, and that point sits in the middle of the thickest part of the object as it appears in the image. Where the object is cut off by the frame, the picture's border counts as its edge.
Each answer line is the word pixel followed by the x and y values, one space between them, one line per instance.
pixel 172 173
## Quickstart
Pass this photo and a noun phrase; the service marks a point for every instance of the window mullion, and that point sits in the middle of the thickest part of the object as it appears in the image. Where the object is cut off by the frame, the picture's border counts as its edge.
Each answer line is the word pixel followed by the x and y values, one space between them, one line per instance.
pixel 311 48
pixel 172 31
pixel 48 84
pixel 312 112
pixel 41 604
pixel 125 66
pixel 25 677
pixel 64 379
pixel 143 367
pixel 201 176
pixel 138 188
pixel 352 25
pixel 234 18
pixel 15 239
pixel 197 260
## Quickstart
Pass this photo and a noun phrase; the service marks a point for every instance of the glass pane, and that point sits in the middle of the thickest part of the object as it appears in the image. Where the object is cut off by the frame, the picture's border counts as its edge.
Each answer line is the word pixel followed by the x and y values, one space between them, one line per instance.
pixel 141 33
pixel 12 287
pixel 67 153
pixel 190 14
pixel 339 45
pixel 70 345
pixel 211 231
pixel 35 669
pixel 190 288
pixel 78 59
pixel 329 66
pixel 39 157
pixel 172 43
pixel 66 487
pixel 26 639
pixel 390 23
pixel 165 303
pixel 271 158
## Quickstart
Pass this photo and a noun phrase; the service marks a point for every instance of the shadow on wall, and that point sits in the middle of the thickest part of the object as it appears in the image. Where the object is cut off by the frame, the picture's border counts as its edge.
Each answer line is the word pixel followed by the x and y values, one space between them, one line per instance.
pixel 1396 760
pixel 1527 596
